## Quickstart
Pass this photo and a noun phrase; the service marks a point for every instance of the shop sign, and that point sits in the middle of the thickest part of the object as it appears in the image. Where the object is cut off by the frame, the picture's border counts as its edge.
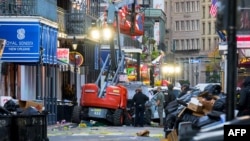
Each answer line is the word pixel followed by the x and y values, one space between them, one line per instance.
pixel 22 41
pixel 63 54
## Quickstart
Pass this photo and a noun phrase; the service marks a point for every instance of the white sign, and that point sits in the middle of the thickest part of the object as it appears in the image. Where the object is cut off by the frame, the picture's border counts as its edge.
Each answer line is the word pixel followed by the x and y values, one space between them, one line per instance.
pixel 157 32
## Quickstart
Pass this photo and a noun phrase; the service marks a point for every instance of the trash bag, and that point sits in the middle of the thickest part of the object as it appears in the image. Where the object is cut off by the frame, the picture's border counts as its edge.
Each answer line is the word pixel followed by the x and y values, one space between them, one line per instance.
pixel 11 105
pixel 172 106
pixel 3 111
pixel 30 111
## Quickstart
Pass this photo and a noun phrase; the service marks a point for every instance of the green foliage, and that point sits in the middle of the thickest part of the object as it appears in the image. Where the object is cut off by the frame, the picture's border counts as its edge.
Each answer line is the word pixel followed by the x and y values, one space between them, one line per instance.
pixel 214 78
pixel 154 55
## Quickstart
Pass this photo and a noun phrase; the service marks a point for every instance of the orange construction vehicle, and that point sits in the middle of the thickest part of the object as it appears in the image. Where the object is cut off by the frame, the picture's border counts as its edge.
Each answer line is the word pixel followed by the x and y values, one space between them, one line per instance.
pixel 108 100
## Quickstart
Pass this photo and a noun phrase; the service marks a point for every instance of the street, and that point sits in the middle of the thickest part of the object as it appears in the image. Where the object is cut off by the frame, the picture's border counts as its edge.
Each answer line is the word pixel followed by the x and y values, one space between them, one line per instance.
pixel 72 132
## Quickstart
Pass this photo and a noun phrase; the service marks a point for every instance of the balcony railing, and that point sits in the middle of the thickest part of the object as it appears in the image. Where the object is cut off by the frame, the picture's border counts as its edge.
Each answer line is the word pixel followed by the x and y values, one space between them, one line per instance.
pixel 61 20
pixel 29 8
pixel 128 41
pixel 24 8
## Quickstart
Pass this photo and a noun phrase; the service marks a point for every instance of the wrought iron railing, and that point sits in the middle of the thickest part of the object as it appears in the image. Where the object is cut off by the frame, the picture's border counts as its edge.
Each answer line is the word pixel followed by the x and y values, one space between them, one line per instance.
pixel 61 20
pixel 129 41
pixel 29 8
pixel 24 8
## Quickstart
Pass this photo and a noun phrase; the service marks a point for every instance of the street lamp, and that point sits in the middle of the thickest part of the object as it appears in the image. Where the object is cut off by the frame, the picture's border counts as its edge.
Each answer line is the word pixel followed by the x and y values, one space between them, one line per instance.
pixel 98 33
pixel 172 70
pixel 77 4
pixel 74 46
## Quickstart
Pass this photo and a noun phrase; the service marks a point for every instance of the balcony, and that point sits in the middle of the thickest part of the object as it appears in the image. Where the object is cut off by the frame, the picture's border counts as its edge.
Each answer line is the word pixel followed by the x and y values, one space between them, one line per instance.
pixel 29 8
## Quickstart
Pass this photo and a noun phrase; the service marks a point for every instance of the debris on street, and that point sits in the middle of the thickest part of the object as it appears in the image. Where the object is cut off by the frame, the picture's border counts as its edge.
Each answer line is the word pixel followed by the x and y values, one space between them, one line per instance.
pixel 144 133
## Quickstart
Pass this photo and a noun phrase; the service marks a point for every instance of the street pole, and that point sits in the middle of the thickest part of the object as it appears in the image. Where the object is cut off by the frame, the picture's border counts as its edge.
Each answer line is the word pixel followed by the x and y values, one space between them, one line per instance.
pixel 75 98
pixel 74 46
pixel 232 60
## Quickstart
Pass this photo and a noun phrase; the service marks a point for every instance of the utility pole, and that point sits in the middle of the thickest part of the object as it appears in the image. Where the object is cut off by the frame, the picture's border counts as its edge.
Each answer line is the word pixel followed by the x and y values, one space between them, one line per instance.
pixel 232 60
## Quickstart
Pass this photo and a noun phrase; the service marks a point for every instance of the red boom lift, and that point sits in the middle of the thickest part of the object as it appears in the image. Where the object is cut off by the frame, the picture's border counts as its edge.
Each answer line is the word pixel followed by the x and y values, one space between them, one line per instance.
pixel 109 101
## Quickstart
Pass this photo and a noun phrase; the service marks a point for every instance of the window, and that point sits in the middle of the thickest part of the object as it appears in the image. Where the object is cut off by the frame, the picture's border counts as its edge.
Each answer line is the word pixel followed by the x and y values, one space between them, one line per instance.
pixel 177 45
pixel 188 44
pixel 177 7
pixel 198 5
pixel 188 25
pixel 192 44
pixel 198 25
pixel 182 45
pixel 197 44
pixel 209 44
pixel 177 26
pixel 203 28
pixel 188 6
pixel 203 45
pixel 203 12
pixel 182 26
pixel 209 14
pixel 209 28
pixel 182 7
pixel 193 25
pixel 193 7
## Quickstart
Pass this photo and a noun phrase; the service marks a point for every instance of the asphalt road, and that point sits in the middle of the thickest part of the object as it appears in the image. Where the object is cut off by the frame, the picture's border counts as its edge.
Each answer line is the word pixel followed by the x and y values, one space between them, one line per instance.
pixel 73 132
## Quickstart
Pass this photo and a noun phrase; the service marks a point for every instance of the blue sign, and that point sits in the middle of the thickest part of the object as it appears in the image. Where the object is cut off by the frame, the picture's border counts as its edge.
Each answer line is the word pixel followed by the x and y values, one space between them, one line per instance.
pixel 24 41
pixel 194 61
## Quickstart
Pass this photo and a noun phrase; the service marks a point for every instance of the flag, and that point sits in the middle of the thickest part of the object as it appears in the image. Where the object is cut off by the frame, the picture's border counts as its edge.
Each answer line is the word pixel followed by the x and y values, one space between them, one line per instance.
pixel 213 8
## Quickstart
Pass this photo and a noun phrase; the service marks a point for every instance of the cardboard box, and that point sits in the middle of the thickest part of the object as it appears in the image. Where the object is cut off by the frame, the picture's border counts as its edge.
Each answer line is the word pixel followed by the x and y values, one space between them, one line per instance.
pixel 194 107
pixel 4 99
pixel 25 104
pixel 172 136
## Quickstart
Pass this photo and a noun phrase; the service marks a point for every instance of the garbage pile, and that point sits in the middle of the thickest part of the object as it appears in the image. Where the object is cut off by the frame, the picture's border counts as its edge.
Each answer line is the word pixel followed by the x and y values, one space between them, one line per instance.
pixel 193 111
pixel 21 120
pixel 21 107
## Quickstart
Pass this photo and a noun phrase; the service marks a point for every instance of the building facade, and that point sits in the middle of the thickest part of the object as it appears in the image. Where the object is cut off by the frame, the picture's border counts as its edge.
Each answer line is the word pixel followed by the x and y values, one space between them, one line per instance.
pixel 191 37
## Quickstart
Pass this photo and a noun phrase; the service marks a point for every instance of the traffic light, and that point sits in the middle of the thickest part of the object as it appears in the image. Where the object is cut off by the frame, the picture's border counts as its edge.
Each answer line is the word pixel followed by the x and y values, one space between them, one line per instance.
pixel 222 15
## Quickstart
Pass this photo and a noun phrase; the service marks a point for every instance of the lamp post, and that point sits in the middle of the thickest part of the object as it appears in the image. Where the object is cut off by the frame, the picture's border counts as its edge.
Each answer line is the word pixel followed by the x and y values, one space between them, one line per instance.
pixel 74 46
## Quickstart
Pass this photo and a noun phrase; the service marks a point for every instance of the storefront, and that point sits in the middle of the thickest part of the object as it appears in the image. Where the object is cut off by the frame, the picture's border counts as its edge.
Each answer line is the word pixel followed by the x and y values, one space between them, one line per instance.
pixel 29 43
